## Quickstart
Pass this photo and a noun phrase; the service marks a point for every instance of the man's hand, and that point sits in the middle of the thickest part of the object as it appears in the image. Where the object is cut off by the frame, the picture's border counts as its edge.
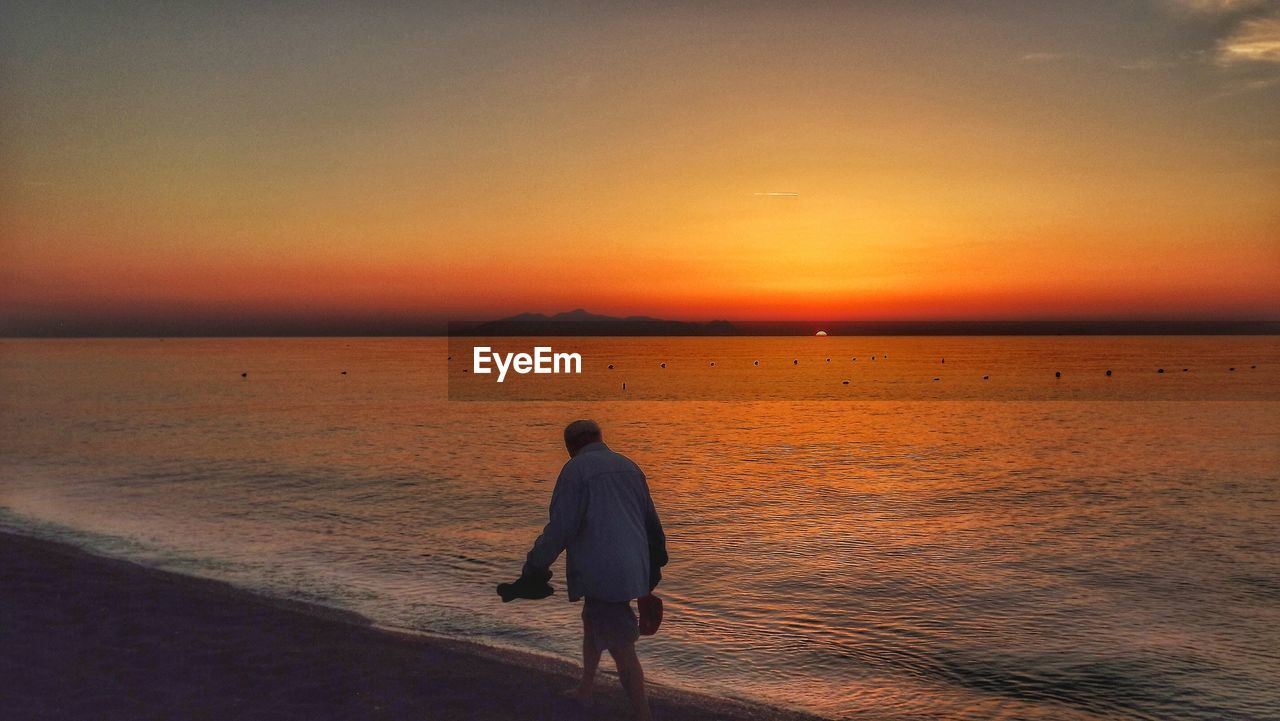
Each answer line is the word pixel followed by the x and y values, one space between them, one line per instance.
pixel 657 559
pixel 532 586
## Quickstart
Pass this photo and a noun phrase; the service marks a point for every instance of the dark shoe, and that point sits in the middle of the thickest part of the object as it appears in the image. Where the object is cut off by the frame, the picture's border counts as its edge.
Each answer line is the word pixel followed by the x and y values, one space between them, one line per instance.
pixel 524 588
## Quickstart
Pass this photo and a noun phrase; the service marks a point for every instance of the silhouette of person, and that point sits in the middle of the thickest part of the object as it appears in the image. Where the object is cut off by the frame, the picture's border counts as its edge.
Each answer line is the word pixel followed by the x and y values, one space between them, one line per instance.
pixel 603 517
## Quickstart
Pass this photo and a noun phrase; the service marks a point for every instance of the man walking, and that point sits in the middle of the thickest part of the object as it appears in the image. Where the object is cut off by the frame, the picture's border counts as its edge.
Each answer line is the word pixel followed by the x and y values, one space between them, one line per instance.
pixel 603 516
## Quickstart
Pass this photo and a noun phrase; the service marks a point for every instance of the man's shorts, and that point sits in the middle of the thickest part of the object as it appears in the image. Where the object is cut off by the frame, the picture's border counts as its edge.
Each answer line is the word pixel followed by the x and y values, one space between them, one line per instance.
pixel 613 624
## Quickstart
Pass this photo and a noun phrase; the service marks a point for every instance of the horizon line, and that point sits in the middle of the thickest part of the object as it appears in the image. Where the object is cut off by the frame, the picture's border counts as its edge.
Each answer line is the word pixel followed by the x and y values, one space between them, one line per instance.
pixel 349 328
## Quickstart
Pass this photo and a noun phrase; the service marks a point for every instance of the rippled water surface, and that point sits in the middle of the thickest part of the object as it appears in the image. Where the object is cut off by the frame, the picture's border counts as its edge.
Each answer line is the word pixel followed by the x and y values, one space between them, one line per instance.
pixel 902 558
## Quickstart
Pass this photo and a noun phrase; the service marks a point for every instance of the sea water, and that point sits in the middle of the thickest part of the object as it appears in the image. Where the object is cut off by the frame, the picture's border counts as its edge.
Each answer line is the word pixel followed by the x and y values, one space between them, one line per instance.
pixel 1025 546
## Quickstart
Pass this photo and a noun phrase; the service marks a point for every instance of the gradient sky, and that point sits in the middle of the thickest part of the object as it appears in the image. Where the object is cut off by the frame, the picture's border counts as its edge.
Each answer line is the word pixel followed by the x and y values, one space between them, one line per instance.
pixel 750 161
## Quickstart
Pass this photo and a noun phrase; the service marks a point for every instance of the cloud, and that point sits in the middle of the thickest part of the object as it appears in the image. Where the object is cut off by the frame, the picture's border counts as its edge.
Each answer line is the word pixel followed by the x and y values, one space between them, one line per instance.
pixel 1149 64
pixel 1241 38
pixel 1218 7
pixel 1043 57
pixel 1256 40
pixel 1242 87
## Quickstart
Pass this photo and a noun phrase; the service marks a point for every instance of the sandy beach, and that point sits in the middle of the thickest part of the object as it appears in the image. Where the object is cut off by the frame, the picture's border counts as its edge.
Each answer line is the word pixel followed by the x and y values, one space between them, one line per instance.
pixel 88 637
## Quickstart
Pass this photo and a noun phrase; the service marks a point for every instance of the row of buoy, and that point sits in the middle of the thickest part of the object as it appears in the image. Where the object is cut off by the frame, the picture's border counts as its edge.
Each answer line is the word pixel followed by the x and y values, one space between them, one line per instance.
pixel 1056 374
pixel 795 362
pixel 246 373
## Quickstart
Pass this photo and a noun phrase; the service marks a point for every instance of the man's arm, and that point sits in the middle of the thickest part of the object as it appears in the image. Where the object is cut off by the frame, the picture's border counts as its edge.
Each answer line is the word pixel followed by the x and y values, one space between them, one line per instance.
pixel 568 504
pixel 657 539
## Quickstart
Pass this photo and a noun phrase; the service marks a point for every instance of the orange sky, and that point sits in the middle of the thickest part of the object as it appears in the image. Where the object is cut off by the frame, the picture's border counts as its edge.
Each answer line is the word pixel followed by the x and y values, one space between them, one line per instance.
pixel 999 161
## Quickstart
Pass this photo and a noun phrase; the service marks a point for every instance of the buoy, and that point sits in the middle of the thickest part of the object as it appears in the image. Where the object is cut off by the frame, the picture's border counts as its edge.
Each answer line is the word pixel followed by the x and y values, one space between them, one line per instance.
pixel 1159 370
pixel 246 375
pixel 610 366
pixel 344 373
pixel 624 386
pixel 713 364
pixel 1108 372
pixel 795 362
pixel 873 357
pixel 937 379
pixel 757 362
pixel 1231 369
pixel 845 382
pixel 828 360
pixel 944 360
pixel 1057 374
pixel 855 359
pixel 1184 370
pixel 986 378
pixel 1253 366
pixel 664 365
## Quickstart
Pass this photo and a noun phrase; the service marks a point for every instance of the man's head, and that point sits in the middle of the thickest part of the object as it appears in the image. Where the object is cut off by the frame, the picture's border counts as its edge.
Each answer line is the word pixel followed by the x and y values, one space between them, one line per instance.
pixel 579 434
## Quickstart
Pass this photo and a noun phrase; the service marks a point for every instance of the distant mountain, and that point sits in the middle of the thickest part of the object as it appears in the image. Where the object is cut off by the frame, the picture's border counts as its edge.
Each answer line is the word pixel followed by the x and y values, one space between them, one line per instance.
pixel 576 316
pixel 581 322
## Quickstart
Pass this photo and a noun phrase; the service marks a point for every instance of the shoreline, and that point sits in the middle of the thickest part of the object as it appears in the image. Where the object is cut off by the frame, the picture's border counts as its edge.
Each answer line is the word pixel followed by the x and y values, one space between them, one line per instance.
pixel 83 636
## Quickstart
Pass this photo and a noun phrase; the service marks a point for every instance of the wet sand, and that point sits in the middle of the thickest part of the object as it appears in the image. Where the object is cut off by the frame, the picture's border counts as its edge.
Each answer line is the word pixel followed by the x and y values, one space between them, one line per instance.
pixel 88 637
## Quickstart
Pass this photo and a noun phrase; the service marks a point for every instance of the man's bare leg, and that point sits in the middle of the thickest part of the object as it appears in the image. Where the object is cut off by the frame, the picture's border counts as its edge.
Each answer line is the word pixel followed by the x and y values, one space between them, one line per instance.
pixel 632 677
pixel 590 661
